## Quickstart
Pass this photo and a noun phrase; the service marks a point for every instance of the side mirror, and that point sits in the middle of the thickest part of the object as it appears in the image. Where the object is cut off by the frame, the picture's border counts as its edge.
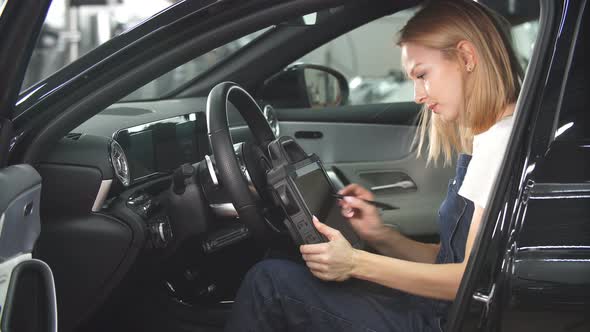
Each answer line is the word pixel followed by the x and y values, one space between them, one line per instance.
pixel 305 86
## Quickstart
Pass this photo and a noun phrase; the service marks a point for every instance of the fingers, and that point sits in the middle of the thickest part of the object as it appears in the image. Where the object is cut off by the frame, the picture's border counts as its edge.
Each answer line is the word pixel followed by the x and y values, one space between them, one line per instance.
pixel 316 267
pixel 354 196
pixel 321 275
pixel 347 211
pixel 326 230
pixel 356 203
pixel 357 191
pixel 312 249
pixel 320 270
pixel 317 259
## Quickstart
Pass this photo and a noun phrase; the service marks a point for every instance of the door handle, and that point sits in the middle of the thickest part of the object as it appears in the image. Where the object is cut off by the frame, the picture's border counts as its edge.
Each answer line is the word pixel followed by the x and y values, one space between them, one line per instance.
pixel 486 299
pixel 309 134
pixel 406 184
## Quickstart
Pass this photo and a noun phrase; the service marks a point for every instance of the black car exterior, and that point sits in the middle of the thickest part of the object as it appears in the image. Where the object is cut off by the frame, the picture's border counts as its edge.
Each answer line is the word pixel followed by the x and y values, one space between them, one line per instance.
pixel 531 269
pixel 532 273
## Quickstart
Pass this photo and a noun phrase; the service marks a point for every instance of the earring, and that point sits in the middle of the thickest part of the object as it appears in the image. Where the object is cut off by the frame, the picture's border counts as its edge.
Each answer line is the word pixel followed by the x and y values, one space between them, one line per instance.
pixel 469 69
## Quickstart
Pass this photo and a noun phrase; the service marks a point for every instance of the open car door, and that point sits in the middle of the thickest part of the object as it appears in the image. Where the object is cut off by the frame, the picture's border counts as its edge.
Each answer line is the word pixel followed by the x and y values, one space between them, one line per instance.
pixel 27 292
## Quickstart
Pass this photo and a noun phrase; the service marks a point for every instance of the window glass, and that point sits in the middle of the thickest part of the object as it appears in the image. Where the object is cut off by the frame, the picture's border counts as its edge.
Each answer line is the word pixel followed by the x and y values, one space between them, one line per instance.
pixel 370 60
pixel 190 70
pixel 574 117
pixel 523 39
pixel 75 27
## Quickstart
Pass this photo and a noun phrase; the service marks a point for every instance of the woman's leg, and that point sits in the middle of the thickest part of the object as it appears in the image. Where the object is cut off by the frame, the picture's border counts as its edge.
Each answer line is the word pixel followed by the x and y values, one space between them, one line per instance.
pixel 280 295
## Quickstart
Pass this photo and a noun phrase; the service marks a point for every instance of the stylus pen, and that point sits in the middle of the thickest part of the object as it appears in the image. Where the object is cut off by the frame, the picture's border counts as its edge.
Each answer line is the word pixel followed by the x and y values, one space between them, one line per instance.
pixel 379 205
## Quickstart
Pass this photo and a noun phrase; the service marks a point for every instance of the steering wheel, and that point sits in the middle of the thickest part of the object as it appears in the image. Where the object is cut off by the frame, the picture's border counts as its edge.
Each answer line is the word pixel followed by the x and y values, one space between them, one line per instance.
pixel 234 174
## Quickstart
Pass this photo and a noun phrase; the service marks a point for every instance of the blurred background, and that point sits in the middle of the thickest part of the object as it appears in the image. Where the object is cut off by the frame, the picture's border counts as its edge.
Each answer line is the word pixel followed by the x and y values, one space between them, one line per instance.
pixel 74 27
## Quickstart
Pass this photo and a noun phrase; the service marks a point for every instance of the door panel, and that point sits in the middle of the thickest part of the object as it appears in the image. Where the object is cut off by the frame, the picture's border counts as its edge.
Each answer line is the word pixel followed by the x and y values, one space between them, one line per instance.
pixel 30 298
pixel 418 208
pixel 27 291
pixel 348 142
pixel 374 150
pixel 27 294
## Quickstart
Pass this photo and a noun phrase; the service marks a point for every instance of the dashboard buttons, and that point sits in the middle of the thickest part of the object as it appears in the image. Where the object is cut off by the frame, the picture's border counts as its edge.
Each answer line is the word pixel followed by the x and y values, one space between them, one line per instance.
pixel 160 232
pixel 141 203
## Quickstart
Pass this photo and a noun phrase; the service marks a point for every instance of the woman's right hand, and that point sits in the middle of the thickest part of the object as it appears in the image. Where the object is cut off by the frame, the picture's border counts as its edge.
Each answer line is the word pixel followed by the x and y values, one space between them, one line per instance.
pixel 363 216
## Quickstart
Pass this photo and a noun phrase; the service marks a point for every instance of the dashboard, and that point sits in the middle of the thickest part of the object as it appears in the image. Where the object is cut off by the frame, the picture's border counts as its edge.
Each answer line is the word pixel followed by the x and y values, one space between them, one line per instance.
pixel 122 162
pixel 127 155
pixel 108 196
pixel 154 138
pixel 160 147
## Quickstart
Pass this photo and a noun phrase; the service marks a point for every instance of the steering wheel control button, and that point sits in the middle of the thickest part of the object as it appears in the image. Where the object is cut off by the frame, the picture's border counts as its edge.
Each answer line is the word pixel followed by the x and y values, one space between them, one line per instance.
pixel 141 203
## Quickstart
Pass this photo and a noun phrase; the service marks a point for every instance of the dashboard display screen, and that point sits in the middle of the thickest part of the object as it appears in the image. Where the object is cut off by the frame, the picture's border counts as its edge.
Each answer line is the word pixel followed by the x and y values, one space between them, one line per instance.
pixel 162 146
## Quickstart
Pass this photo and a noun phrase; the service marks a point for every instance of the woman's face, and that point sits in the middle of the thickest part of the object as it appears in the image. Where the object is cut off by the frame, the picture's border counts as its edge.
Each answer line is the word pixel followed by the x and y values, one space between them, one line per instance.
pixel 438 82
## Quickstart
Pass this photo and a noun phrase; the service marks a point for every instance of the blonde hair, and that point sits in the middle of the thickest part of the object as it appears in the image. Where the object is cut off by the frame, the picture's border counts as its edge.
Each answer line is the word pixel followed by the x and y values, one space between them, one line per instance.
pixel 494 83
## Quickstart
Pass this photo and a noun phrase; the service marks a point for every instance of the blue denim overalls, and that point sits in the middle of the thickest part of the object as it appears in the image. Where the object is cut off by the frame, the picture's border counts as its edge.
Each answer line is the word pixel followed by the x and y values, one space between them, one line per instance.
pixel 454 218
pixel 282 295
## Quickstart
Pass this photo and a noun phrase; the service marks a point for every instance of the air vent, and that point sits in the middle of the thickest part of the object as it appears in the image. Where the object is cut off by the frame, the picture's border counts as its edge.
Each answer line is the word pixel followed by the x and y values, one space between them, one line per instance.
pixel 126 111
pixel 73 136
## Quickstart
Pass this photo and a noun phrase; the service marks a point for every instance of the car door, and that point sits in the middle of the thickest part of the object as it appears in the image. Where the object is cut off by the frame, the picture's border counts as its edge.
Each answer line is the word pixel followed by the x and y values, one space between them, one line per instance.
pixel 27 293
pixel 531 271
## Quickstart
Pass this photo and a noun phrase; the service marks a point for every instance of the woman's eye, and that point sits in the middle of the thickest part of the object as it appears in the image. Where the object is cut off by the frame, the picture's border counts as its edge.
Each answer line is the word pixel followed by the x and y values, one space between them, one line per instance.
pixel 421 76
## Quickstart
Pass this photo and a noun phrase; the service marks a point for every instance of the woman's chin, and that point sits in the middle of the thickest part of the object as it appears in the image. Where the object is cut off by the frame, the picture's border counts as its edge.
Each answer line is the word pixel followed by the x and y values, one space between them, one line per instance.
pixel 445 117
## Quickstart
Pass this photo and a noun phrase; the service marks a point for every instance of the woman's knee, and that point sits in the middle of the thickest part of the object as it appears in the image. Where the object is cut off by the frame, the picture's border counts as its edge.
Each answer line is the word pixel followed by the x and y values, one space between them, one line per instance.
pixel 270 277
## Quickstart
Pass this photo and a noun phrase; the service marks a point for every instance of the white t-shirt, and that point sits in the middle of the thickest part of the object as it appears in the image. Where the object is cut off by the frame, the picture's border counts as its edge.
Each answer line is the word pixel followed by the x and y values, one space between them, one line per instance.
pixel 488 152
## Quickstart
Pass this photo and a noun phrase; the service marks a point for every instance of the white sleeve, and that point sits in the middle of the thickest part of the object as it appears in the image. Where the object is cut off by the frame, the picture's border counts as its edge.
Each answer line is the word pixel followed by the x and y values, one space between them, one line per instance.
pixel 488 153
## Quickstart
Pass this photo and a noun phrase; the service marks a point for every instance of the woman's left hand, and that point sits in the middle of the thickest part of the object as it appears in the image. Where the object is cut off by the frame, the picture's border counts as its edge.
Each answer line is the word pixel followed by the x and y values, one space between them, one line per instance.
pixel 333 260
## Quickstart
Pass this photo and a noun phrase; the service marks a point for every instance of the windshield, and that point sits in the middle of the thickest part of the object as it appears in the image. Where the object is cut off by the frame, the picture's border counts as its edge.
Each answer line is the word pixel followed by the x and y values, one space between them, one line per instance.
pixel 75 27
pixel 191 70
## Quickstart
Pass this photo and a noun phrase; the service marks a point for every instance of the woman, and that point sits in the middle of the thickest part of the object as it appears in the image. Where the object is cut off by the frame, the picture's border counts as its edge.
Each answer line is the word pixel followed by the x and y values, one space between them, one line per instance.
pixel 467 77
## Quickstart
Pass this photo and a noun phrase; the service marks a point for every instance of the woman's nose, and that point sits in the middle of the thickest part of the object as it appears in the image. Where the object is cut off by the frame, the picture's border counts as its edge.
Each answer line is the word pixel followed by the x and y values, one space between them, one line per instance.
pixel 419 94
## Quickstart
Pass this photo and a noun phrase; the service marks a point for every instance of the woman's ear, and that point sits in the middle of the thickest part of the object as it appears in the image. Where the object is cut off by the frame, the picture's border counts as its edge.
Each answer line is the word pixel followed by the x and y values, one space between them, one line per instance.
pixel 467 55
